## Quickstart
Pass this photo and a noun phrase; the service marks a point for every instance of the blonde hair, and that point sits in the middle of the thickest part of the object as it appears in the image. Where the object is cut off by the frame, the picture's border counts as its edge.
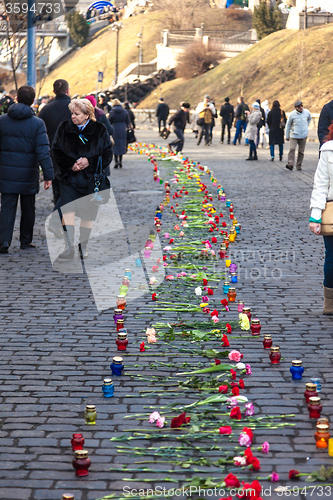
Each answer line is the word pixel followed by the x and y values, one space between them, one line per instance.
pixel 84 106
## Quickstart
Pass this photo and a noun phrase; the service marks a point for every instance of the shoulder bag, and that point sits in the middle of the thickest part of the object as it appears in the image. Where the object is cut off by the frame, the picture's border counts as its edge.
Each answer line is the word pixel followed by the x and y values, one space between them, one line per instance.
pixel 327 220
pixel 101 194
pixel 282 120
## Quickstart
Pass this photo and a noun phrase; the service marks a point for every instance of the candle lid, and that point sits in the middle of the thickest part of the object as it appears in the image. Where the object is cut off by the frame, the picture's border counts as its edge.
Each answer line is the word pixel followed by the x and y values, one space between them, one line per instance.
pixel 315 400
pixel 246 310
pixel 122 335
pixel 127 270
pixel 267 336
pixel 232 290
pixel 117 360
pixel 226 283
pixel 323 420
pixel 255 321
pixel 77 435
pixel 311 387
pixel 233 274
pixel 275 349
pixel 107 381
pixel 118 311
pixel 121 297
pixel 68 496
pixel 322 427
pixel 240 302
pixel 120 320
pixel 223 246
pixel 90 408
pixel 296 362
pixel 81 453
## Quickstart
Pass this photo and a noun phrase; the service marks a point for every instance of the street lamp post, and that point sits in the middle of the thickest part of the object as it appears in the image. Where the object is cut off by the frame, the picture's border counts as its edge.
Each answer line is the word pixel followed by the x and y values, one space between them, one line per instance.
pixel 138 44
pixel 31 45
pixel 116 27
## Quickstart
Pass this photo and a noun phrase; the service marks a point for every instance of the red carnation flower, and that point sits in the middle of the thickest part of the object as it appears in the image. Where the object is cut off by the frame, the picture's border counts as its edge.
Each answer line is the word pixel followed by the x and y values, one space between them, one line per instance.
pixel 205 282
pixel 142 347
pixel 224 224
pixel 231 481
pixel 206 310
pixel 210 291
pixel 235 391
pixel 214 240
pixel 224 302
pixel 214 313
pixel 249 432
pixel 164 258
pixel 241 383
pixel 217 361
pixel 153 297
pixel 223 389
pixel 233 384
pixel 229 328
pixel 211 229
pixel 294 474
pixel 171 240
pixel 233 374
pixel 226 429
pixel 217 219
pixel 180 420
pixel 225 341
pixel 255 464
pixel 236 413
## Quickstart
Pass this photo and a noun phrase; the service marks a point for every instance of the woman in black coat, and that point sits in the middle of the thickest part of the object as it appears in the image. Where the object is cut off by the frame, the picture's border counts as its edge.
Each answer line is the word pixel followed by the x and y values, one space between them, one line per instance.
pixel 77 147
pixel 276 121
pixel 120 120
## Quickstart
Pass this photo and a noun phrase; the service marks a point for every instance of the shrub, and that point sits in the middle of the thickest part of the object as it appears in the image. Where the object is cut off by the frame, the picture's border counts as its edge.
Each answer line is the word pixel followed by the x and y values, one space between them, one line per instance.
pixel 197 59
pixel 266 20
pixel 78 28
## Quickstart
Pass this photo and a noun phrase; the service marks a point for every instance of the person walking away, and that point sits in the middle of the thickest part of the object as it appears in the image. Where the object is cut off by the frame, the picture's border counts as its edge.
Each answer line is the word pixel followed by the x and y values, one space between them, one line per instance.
pixel 227 115
pixel 206 110
pixel 7 101
pixel 24 146
pixel 325 120
pixel 179 121
pixel 321 193
pixel 264 130
pixel 212 125
pixel 297 130
pixel 251 130
pixel 120 120
pixel 77 147
pixel 53 113
pixel 130 113
pixel 261 123
pixel 240 117
pixel 162 113
pixel 276 121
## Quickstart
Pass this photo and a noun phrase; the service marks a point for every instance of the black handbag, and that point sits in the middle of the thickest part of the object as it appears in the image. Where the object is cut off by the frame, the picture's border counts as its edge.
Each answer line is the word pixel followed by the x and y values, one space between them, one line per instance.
pixel 101 194
pixel 130 136
pixel 165 133
pixel 200 122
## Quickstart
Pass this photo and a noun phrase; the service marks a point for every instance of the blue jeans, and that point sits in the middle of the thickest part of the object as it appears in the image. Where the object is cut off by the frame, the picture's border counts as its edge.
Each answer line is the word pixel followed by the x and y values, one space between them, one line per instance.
pixel 240 125
pixel 271 147
pixel 328 264
pixel 179 142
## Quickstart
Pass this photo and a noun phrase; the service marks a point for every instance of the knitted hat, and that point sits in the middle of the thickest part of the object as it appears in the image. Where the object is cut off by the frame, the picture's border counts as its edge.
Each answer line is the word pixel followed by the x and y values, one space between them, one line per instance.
pixel 255 105
pixel 92 99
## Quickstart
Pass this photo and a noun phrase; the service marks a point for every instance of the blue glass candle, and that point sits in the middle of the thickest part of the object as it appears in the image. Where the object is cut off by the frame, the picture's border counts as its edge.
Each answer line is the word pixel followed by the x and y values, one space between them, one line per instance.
pixel 316 380
pixel 237 227
pixel 233 277
pixel 128 273
pixel 228 203
pixel 108 388
pixel 226 286
pixel 117 366
pixel 296 369
pixel 138 262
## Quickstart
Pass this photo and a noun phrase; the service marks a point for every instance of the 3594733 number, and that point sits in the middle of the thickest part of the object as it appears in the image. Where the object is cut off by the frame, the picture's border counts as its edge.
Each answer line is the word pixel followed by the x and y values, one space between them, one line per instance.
pixel 36 7
pixel 314 491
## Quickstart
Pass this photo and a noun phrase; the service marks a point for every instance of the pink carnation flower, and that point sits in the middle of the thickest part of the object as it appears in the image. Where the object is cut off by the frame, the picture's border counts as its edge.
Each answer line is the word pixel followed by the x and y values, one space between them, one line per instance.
pixel 245 440
pixel 239 461
pixel 274 477
pixel 265 447
pixel 154 416
pixel 248 369
pixel 215 319
pixel 235 356
pixel 249 409
pixel 160 422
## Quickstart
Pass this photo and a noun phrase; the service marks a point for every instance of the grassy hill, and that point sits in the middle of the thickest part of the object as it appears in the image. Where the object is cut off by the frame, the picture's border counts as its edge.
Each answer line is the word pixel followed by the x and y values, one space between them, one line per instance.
pixel 286 65
pixel 80 67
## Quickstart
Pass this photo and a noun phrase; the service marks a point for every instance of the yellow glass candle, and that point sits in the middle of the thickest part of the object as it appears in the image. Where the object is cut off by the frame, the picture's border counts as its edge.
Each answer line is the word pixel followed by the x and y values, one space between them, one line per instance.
pixel 330 447
pixel 228 262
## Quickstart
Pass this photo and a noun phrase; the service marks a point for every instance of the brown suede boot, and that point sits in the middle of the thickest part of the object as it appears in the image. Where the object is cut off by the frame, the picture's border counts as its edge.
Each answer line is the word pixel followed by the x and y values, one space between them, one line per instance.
pixel 328 301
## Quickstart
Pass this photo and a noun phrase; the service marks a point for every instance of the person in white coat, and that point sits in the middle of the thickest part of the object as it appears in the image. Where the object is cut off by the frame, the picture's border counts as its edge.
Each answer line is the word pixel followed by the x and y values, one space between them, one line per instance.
pixel 321 193
pixel 263 132
pixel 297 129
pixel 253 119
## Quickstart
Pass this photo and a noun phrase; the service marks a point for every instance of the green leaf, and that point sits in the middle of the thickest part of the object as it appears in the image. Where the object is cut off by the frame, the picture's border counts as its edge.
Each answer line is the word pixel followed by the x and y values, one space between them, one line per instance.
pixel 211 369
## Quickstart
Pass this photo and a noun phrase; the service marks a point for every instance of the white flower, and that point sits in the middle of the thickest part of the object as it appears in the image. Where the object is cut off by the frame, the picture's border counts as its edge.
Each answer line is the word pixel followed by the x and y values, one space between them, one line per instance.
pixel 198 293
pixel 240 366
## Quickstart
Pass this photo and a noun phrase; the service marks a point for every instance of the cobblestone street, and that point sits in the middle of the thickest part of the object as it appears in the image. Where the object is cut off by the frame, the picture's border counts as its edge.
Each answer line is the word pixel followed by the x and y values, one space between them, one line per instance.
pixel 56 347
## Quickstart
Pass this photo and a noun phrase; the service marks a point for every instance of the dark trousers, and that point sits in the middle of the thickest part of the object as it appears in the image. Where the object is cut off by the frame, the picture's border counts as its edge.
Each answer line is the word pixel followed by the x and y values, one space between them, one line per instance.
pixel 224 125
pixel 205 131
pixel 161 121
pixel 253 149
pixel 328 264
pixel 8 214
pixel 179 142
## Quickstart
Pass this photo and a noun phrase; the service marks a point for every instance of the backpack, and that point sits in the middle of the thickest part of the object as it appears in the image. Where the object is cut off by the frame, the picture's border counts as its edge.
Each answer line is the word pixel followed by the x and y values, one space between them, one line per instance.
pixel 243 115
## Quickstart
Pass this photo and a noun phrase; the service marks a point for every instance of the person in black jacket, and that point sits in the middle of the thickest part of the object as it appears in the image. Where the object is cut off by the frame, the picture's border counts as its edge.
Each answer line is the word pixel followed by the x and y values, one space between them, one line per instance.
pixel 276 121
pixel 162 113
pixel 24 146
pixel 325 120
pixel 179 120
pixel 7 101
pixel 77 146
pixel 53 114
pixel 227 115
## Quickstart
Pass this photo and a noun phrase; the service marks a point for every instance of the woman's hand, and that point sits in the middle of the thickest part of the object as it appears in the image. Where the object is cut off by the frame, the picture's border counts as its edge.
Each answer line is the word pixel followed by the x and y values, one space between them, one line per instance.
pixel 315 227
pixel 80 164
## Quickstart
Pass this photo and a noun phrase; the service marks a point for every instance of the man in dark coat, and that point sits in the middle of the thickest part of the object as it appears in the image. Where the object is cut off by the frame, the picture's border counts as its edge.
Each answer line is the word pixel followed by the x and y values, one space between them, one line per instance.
pixel 227 115
pixel 24 146
pixel 179 120
pixel 240 115
pixel 7 101
pixel 53 114
pixel 162 113
pixel 325 120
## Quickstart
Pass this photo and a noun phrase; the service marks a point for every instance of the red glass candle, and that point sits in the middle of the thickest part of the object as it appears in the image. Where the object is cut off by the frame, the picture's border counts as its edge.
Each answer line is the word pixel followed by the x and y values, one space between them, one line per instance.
pixel 77 442
pixel 255 326
pixel 81 463
pixel 310 391
pixel 231 215
pixel 275 355
pixel 126 281
pixel 120 324
pixel 267 342
pixel 226 242
pixel 314 407
pixel 122 341
pixel 247 311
